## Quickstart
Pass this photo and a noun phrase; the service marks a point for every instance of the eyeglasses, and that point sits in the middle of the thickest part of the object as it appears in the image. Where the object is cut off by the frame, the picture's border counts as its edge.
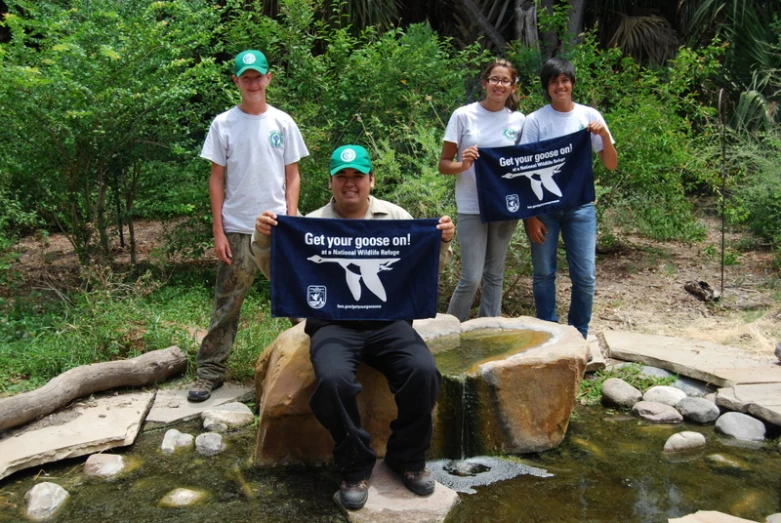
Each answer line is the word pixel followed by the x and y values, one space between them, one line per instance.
pixel 506 82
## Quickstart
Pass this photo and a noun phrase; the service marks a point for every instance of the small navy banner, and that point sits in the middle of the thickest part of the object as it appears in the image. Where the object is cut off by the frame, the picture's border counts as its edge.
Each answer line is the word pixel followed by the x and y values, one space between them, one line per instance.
pixel 520 181
pixel 335 269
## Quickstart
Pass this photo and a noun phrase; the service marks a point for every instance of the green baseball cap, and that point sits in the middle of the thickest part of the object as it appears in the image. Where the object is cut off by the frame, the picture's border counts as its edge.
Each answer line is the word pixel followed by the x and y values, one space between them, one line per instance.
pixel 351 156
pixel 250 60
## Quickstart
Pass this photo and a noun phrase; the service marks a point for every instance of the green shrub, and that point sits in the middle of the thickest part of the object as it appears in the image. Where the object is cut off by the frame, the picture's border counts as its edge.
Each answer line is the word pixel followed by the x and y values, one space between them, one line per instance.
pixel 89 93
pixel 755 200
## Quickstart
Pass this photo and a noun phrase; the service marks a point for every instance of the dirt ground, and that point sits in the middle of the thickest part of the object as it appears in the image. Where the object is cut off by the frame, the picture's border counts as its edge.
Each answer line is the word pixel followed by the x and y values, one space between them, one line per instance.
pixel 640 286
pixel 642 289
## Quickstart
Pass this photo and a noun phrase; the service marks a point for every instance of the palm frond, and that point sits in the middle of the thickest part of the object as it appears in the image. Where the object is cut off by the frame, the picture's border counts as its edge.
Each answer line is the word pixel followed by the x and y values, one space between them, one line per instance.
pixel 648 39
pixel 753 112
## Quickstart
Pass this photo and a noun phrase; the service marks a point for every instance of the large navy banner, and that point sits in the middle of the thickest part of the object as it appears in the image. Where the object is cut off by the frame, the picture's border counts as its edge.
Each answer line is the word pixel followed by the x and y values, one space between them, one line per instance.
pixel 520 181
pixel 354 269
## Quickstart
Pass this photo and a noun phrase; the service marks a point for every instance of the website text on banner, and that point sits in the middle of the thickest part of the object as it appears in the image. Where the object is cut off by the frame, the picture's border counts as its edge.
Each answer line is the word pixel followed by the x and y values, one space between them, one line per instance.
pixel 520 181
pixel 354 269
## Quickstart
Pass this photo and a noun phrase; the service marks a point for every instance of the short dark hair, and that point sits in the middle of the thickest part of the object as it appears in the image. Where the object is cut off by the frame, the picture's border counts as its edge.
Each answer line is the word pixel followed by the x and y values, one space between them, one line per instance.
pixel 552 69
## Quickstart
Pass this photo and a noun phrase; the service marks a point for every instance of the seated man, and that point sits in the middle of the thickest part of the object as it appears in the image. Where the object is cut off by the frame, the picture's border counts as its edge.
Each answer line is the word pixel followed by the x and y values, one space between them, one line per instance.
pixel 392 347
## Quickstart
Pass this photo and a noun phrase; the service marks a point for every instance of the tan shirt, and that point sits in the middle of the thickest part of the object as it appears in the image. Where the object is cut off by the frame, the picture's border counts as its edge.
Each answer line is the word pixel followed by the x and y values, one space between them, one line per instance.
pixel 378 210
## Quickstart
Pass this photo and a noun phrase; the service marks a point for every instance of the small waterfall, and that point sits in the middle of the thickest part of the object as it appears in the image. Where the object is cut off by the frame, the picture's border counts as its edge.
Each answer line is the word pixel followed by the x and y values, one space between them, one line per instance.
pixel 462 423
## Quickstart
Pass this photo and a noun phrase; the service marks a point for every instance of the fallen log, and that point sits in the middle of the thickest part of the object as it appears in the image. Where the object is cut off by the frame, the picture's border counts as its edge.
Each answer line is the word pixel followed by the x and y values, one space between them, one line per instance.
pixel 147 369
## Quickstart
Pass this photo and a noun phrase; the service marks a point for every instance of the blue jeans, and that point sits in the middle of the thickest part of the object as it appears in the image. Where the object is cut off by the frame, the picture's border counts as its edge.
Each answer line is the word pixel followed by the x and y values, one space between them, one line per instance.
pixel 578 229
pixel 483 251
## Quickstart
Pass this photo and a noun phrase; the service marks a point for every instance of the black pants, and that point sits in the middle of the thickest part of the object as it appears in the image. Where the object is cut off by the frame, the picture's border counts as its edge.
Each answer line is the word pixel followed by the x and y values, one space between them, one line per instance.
pixel 401 355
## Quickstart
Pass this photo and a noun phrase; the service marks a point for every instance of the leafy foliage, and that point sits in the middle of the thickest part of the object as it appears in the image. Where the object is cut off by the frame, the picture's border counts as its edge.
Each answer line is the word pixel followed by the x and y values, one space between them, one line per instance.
pixel 89 93
pixel 756 197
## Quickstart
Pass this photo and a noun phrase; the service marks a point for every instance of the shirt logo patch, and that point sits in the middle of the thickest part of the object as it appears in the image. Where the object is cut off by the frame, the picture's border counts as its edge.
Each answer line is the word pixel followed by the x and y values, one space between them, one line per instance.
pixel 510 134
pixel 276 139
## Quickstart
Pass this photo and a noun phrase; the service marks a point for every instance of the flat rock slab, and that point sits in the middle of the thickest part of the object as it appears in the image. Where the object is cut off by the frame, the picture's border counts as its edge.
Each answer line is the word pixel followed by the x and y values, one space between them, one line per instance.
pixel 762 400
pixel 171 405
pixel 390 501
pixel 709 516
pixel 720 365
pixel 596 359
pixel 88 427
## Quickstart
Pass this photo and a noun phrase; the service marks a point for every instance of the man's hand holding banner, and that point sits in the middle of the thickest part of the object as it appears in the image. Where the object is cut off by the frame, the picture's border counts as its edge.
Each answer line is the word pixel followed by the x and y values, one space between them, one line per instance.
pixel 521 181
pixel 354 269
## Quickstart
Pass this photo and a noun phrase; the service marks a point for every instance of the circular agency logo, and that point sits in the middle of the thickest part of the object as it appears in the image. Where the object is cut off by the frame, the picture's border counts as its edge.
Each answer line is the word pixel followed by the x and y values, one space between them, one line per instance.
pixel 348 155
pixel 276 139
pixel 510 134
pixel 249 58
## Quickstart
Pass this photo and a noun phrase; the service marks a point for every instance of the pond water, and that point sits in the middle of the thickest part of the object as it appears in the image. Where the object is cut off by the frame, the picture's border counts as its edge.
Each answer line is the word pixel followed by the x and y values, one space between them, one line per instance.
pixel 480 346
pixel 610 468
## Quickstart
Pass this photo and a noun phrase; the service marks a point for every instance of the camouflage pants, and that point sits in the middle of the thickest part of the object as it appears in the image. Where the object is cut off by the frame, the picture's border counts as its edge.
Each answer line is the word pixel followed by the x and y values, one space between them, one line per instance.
pixel 233 284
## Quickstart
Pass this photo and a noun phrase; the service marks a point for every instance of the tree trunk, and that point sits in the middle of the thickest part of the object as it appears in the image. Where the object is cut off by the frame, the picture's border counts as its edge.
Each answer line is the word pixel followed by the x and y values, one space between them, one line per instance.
pixel 147 369
pixel 100 214
pixel 118 204
pixel 493 35
pixel 575 20
pixel 526 23
pixel 130 200
pixel 132 233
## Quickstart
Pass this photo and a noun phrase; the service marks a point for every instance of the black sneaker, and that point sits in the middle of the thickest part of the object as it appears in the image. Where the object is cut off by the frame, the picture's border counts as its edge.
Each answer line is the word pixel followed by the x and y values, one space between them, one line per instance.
pixel 353 494
pixel 202 389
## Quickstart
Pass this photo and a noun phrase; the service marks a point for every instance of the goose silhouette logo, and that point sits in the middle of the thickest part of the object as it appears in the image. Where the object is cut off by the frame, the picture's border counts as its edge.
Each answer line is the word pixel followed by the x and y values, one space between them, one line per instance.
pixel 513 202
pixel 316 296
pixel 540 178
pixel 366 270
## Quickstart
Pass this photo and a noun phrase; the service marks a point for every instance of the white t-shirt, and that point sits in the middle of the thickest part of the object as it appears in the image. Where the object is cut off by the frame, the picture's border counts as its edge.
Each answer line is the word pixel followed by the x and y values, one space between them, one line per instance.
pixel 547 123
pixel 254 149
pixel 474 125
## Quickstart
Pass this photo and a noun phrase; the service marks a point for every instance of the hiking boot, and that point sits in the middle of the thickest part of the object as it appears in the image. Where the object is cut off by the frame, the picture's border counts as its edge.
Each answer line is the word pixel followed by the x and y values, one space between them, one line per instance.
pixel 420 482
pixel 353 494
pixel 202 389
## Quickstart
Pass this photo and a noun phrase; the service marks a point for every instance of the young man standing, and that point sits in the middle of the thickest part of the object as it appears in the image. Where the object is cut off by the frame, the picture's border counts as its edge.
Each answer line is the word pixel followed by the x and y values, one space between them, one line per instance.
pixel 392 347
pixel 254 150
pixel 578 226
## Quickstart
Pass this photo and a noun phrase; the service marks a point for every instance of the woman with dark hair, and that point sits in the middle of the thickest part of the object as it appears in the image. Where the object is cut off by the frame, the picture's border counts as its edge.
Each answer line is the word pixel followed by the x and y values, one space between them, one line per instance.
pixel 578 226
pixel 494 121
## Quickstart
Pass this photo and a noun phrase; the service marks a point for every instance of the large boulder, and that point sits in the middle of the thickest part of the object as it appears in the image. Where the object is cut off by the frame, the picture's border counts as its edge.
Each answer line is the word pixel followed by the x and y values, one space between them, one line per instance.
pixel 517 402
pixel 526 395
pixel 288 432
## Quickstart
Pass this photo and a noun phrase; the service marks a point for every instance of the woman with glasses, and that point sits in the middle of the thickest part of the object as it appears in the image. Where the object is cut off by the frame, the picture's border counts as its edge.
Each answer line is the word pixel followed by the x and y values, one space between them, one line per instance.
pixel 494 121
